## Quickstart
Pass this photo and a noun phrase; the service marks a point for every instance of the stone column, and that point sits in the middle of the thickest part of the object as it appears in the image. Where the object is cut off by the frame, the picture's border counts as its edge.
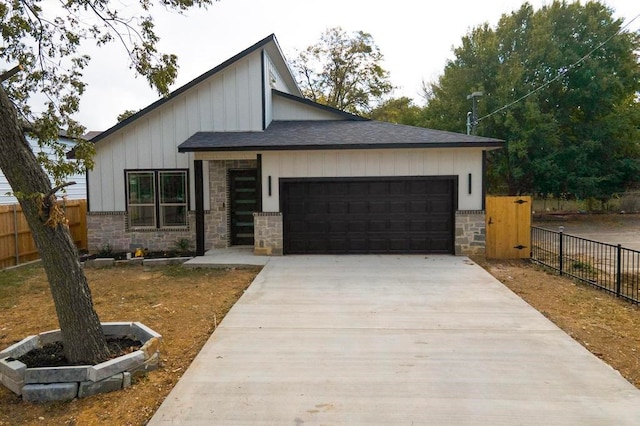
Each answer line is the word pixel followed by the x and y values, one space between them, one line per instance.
pixel 470 232
pixel 267 233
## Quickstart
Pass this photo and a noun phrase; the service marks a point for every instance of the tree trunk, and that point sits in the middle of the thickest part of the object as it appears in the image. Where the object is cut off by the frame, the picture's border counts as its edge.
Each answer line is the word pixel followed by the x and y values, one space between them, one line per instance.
pixel 82 335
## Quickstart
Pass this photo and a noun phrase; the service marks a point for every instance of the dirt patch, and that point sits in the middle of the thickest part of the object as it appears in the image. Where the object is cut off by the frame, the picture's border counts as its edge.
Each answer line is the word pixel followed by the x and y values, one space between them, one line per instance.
pixel 605 325
pixel 184 305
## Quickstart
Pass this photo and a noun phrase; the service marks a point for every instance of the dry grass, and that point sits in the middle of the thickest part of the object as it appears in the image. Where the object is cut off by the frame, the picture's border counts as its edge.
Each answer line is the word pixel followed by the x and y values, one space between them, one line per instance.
pixel 181 304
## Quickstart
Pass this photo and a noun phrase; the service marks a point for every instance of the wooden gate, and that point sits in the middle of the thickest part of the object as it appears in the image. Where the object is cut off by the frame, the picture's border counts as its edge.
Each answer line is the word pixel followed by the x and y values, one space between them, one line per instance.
pixel 508 221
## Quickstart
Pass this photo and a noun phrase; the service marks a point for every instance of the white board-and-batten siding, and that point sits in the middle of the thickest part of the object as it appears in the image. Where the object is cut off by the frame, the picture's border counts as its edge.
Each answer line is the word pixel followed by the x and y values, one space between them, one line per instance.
pixel 289 110
pixel 78 191
pixel 373 163
pixel 230 100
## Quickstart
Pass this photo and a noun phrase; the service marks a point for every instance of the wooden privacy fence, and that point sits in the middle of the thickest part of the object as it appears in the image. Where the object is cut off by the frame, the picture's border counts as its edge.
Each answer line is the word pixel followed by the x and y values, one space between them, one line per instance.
pixel 16 243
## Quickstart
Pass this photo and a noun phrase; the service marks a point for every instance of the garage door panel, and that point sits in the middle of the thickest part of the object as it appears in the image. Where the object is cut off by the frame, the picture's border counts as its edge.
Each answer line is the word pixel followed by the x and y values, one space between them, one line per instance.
pixel 338 245
pixel 377 215
pixel 418 206
pixel 378 207
pixel 316 225
pixel 358 188
pixel 439 187
pixel 418 187
pixel 442 225
pixel 398 245
pixel 297 226
pixel 378 188
pixel 439 245
pixel 419 244
pixel 438 206
pixel 378 245
pixel 317 245
pixel 316 206
pixel 297 208
pixel 397 225
pixel 358 207
pixel 338 207
pixel 357 245
pixel 377 225
pixel 418 226
pixel 397 187
pixel 357 225
pixel 339 226
pixel 316 189
pixel 398 207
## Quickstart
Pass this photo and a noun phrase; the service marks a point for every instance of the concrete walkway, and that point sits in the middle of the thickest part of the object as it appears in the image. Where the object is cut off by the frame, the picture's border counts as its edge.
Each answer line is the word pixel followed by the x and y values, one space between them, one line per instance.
pixel 398 340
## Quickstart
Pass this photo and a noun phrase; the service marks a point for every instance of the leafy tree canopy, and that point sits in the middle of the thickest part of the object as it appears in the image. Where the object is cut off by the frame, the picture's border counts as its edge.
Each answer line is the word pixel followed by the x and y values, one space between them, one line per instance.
pixel 569 76
pixel 343 71
pixel 126 114
pixel 397 110
pixel 48 40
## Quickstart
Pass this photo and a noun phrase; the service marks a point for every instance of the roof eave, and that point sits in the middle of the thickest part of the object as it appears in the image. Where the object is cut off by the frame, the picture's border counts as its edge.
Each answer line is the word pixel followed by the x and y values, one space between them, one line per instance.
pixel 485 145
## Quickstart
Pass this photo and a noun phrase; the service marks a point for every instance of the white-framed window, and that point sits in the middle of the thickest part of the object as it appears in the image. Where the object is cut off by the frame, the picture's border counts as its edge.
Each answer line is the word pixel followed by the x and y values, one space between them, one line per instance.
pixel 157 198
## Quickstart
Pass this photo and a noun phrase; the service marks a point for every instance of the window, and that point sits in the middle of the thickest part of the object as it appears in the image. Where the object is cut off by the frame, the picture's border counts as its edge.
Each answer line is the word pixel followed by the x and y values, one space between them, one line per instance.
pixel 157 198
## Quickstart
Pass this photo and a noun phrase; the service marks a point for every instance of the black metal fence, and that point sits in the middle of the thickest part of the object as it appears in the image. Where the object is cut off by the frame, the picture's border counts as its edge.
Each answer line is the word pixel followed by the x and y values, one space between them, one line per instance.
pixel 609 267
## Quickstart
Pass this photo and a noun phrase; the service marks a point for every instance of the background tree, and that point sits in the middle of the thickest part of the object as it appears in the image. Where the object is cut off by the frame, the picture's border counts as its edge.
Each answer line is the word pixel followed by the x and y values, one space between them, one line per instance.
pixel 343 71
pixel 397 110
pixel 571 77
pixel 47 40
pixel 126 114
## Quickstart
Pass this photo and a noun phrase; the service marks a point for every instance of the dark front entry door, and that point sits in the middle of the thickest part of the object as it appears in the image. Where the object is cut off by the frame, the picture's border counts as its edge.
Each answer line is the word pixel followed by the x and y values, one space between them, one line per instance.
pixel 243 191
pixel 376 215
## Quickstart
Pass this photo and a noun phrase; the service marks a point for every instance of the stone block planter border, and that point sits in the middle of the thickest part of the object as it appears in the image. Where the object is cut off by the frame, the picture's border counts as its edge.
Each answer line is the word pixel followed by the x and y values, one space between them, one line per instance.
pixel 103 262
pixel 66 383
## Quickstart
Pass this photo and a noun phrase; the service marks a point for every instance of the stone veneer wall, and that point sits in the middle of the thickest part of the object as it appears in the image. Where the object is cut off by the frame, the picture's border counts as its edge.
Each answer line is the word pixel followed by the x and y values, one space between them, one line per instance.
pixel 470 232
pixel 217 235
pixel 111 227
pixel 267 233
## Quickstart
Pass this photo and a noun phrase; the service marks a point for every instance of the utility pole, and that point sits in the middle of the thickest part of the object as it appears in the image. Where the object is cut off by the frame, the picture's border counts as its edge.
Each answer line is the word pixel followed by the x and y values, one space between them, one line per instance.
pixel 472 116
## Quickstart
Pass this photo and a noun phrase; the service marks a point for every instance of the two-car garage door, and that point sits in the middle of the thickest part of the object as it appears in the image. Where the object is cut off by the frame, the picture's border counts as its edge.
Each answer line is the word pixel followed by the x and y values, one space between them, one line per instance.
pixel 368 215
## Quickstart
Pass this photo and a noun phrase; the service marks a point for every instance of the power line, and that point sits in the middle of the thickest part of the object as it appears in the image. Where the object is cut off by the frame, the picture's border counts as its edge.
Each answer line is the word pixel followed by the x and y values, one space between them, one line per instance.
pixel 561 74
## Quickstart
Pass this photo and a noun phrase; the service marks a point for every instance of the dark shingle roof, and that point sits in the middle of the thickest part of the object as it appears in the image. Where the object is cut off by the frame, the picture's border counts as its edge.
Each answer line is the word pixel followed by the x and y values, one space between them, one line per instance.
pixel 346 134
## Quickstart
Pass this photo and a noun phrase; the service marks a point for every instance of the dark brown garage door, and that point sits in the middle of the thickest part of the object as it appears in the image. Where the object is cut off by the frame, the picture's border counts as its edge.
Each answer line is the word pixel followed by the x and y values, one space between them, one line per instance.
pixel 380 215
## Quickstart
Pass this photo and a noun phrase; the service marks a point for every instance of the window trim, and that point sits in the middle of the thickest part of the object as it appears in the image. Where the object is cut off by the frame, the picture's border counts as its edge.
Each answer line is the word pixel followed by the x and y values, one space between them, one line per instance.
pixel 157 205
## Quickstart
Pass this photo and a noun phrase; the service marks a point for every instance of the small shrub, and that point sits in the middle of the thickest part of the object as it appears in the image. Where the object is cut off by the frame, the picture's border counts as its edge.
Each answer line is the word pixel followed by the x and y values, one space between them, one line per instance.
pixel 183 245
pixel 105 251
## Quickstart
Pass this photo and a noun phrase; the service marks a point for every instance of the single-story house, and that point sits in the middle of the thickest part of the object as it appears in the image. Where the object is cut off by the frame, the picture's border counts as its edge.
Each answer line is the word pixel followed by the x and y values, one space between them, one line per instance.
pixel 238 157
pixel 71 192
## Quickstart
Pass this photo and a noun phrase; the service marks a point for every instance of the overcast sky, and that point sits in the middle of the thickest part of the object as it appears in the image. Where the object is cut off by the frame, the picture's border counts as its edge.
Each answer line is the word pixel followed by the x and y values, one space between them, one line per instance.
pixel 415 37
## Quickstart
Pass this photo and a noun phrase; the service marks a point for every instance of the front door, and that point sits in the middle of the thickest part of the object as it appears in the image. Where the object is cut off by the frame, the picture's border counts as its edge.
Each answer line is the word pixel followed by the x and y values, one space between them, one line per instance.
pixel 243 191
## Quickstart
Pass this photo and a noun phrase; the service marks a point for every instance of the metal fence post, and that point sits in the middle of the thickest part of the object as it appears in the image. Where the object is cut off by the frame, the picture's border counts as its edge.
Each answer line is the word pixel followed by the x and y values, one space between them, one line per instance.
pixel 561 254
pixel 619 270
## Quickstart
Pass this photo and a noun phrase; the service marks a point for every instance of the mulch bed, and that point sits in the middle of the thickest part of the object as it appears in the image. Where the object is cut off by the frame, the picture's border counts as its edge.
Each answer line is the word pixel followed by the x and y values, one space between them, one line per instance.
pixel 52 354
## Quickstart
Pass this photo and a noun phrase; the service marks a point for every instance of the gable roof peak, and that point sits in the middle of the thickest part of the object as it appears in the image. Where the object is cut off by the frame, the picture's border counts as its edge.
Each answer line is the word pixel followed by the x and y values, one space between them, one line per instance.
pixel 269 41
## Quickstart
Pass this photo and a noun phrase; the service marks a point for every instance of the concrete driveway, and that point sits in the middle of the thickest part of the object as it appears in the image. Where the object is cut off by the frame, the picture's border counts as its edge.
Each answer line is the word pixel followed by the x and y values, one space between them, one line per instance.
pixel 399 340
